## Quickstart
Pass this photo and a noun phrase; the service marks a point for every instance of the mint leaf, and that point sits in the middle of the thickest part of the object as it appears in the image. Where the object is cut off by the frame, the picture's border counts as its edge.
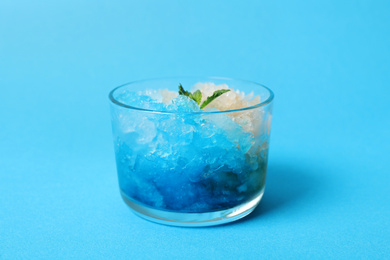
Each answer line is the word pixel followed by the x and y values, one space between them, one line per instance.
pixel 197 96
pixel 216 94
pixel 183 92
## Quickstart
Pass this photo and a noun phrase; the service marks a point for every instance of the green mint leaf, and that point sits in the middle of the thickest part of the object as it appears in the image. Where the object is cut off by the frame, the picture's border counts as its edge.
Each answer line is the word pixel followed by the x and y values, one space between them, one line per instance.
pixel 216 94
pixel 183 92
pixel 197 96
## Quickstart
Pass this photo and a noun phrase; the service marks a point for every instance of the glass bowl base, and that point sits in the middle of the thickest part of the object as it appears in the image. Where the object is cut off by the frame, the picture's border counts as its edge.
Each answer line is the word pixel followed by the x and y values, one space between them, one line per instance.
pixel 193 219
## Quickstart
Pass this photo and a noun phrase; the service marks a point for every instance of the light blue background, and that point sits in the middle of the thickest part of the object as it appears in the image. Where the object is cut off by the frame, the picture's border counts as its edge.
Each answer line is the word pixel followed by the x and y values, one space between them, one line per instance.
pixel 328 63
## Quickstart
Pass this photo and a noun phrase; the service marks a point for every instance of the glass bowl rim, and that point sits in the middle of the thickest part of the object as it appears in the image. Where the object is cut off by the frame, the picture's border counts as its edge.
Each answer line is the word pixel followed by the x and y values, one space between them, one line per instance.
pixel 261 104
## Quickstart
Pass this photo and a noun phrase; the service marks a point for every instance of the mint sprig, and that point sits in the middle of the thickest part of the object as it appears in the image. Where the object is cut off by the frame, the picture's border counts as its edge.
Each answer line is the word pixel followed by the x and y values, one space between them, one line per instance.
pixel 197 95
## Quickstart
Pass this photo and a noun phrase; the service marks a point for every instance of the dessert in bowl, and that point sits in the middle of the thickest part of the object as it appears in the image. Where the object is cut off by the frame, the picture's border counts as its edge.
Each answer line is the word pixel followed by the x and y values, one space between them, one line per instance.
pixel 191 151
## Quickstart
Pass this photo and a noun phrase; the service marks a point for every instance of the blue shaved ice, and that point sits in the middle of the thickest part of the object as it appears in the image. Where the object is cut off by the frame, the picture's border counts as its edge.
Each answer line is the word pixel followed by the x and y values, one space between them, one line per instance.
pixel 181 160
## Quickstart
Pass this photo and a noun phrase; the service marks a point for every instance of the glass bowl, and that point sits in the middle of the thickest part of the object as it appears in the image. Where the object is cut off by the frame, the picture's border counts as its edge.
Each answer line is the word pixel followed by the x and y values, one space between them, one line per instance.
pixel 191 167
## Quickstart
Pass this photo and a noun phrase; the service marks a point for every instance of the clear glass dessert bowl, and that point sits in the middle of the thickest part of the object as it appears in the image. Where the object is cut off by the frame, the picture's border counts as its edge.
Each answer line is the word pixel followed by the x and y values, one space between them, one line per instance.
pixel 191 159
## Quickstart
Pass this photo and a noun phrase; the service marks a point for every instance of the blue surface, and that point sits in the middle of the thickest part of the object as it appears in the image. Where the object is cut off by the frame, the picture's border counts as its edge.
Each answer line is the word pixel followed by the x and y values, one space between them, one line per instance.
pixel 328 62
